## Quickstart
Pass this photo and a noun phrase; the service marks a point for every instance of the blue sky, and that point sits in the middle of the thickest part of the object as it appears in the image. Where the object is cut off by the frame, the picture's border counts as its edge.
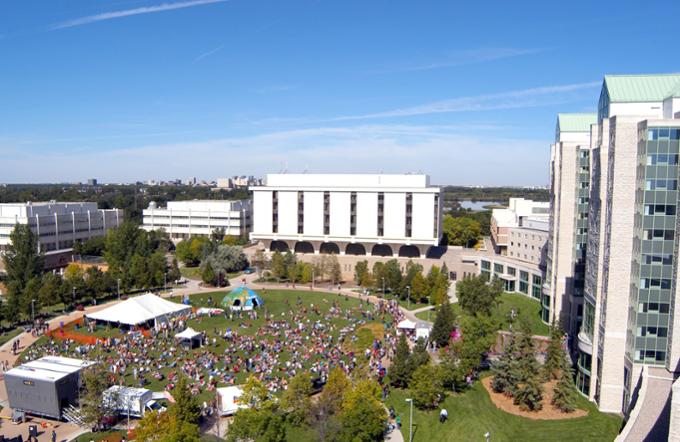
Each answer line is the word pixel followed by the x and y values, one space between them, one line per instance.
pixel 467 92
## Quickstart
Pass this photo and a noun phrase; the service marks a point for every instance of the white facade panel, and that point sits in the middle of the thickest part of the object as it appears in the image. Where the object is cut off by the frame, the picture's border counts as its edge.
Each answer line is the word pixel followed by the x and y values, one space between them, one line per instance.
pixel 313 213
pixel 395 215
pixel 340 214
pixel 367 214
pixel 288 213
pixel 262 211
pixel 423 216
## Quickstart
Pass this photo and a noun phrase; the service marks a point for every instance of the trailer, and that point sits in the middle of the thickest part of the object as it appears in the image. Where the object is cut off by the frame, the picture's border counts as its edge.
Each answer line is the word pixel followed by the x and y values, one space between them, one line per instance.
pixel 228 400
pixel 45 387
pixel 130 401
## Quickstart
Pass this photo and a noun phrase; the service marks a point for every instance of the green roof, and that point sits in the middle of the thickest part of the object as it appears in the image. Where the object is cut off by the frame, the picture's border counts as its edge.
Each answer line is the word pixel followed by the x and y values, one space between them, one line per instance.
pixel 575 122
pixel 641 88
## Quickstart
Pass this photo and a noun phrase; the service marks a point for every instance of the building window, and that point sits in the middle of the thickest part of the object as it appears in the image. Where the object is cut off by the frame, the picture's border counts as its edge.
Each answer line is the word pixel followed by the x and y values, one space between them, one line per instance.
pixel 326 213
pixel 381 213
pixel 409 214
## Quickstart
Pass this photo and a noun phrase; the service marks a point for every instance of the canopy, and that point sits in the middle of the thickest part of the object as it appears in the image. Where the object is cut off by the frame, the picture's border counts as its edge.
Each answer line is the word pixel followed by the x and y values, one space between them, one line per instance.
pixel 228 400
pixel 407 324
pixel 189 333
pixel 139 310
pixel 242 298
pixel 423 329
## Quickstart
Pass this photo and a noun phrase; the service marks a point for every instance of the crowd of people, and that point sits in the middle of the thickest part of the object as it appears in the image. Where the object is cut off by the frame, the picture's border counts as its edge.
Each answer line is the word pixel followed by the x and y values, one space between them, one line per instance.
pixel 302 336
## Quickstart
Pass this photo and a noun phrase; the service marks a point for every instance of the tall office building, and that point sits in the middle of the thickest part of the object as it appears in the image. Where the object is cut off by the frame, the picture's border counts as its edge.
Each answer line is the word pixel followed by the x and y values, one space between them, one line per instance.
pixel 568 220
pixel 386 215
pixel 629 287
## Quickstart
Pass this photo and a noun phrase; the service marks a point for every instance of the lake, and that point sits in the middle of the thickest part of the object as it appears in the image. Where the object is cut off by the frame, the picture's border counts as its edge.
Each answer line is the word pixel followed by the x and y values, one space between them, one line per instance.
pixel 478 205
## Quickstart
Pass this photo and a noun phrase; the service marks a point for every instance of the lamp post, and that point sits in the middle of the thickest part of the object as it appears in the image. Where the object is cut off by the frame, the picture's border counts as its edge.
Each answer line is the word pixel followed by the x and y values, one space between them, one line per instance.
pixel 118 284
pixel 383 286
pixel 410 421
pixel 408 290
pixel 33 312
pixel 312 277
pixel 487 436
pixel 165 281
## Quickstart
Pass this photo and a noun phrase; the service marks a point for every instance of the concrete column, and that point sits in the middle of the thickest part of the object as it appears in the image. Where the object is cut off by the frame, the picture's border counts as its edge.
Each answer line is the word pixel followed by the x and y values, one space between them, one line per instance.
pixel 423 251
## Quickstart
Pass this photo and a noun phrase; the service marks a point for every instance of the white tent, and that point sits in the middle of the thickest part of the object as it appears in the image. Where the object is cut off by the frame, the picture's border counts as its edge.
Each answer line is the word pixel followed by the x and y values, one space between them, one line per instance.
pixel 407 324
pixel 141 309
pixel 423 330
pixel 188 333
pixel 228 400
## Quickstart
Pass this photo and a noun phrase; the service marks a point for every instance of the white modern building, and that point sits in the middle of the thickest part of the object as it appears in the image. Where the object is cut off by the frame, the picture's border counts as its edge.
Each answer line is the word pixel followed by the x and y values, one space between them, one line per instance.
pixel 613 248
pixel 184 219
pixel 521 230
pixel 385 215
pixel 58 225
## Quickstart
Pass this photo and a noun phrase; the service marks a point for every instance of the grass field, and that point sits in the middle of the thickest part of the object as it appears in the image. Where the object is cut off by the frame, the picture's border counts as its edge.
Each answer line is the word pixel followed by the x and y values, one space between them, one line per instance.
pixel 277 303
pixel 525 307
pixel 472 414
pixel 195 273
pixel 6 336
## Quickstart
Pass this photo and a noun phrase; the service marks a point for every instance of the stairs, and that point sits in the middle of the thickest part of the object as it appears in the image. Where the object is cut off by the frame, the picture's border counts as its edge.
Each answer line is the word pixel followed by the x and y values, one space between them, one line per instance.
pixel 73 415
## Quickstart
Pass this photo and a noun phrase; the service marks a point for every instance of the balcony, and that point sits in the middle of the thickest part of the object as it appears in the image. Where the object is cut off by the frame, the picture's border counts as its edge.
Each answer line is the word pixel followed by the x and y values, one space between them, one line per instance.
pixel 584 343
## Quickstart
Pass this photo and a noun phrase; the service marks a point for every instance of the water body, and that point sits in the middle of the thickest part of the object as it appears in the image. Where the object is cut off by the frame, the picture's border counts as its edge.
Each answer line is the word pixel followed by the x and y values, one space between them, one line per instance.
pixel 478 205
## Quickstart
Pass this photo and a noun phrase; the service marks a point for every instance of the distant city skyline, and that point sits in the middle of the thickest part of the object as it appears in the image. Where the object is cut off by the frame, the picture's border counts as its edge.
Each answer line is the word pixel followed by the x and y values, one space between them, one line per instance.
pixel 162 89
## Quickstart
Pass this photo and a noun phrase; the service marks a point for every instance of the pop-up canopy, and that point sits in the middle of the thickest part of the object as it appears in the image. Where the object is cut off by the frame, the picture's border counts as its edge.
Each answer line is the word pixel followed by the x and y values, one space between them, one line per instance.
pixel 407 324
pixel 140 310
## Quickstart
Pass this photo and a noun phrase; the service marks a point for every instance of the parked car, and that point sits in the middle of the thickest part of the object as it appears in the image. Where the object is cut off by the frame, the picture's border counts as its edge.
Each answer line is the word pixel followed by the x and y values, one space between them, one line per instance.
pixel 249 270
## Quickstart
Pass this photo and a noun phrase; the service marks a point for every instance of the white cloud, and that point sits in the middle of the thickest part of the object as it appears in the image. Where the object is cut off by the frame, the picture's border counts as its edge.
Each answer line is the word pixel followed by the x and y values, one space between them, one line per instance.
pixel 467 57
pixel 207 54
pixel 444 152
pixel 130 12
pixel 532 97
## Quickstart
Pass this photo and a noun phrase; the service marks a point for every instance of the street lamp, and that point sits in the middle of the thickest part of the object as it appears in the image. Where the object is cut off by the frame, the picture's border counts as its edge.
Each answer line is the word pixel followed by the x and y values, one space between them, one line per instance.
pixel 165 281
pixel 487 435
pixel 408 290
pixel 383 282
pixel 410 421
pixel 118 284
pixel 33 311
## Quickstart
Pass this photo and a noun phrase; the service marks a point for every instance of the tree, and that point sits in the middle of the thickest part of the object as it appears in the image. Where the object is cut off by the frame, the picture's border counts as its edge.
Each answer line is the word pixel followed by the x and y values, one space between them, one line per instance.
pixel 183 253
pixel 526 390
pixel 52 290
pixel 164 427
pixel 296 399
pixel 402 365
pixel 426 387
pixel 564 392
pixel 378 274
pixel 278 266
pixel 324 412
pixel 208 274
pixel 420 289
pixel 186 407
pixel 360 272
pixel 260 261
pixel 555 357
pixel 392 274
pixel 334 269
pixel 95 380
pixel 476 297
pixel 438 283
pixel 411 270
pixel 22 262
pixel 444 324
pixel 174 274
pixel 461 231
pixel 420 356
pixel 306 272
pixel 363 415
pixel 226 259
pixel 261 421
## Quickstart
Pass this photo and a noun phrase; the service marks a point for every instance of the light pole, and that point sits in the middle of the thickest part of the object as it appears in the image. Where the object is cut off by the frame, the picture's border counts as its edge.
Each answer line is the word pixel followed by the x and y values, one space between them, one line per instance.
pixel 383 283
pixel 487 435
pixel 118 284
pixel 312 277
pixel 33 311
pixel 408 290
pixel 74 298
pixel 410 421
pixel 165 281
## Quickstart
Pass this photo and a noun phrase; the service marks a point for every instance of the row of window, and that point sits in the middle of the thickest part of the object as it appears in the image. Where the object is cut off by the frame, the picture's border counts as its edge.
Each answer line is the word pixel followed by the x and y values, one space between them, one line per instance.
pixel 661 184
pixel 662 158
pixel 653 307
pixel 655 283
pixel 663 133
pixel 657 258
pixel 652 332
pixel 659 209
pixel 665 234
pixel 650 356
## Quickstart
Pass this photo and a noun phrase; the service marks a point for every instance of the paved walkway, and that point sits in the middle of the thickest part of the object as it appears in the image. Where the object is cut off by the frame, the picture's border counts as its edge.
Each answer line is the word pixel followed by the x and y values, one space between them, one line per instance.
pixel 653 420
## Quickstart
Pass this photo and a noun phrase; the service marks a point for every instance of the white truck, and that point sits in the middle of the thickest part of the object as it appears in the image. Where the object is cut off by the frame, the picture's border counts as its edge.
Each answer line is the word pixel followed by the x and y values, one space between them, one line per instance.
pixel 130 401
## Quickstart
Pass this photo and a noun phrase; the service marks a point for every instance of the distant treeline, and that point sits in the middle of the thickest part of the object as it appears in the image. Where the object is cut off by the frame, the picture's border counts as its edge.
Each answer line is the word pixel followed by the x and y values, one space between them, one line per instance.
pixel 133 198
pixel 501 194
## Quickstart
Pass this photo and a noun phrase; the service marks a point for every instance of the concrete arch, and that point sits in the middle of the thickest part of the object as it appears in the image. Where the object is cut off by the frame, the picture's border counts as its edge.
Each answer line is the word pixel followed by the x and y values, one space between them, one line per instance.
pixel 407 251
pixel 304 247
pixel 355 249
pixel 382 250
pixel 329 248
pixel 279 246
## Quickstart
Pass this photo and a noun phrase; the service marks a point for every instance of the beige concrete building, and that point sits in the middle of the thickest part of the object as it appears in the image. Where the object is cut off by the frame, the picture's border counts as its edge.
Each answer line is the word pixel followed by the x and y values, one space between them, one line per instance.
pixel 612 252
pixel 507 227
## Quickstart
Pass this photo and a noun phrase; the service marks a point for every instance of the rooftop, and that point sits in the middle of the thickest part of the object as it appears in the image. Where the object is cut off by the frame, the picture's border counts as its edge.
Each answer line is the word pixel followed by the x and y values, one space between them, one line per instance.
pixel 49 368
pixel 575 122
pixel 641 88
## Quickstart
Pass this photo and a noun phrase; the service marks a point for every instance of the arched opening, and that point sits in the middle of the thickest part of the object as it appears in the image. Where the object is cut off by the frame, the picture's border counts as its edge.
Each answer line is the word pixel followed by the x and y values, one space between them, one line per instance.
pixel 381 250
pixel 255 304
pixel 279 246
pixel 355 249
pixel 409 251
pixel 304 247
pixel 237 302
pixel 329 248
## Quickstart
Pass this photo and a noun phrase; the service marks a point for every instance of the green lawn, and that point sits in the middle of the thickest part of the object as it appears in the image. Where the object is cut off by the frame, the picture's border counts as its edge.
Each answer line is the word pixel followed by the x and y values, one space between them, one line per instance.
pixel 190 272
pixel 525 307
pixel 104 435
pixel 427 316
pixel 472 414
pixel 6 336
pixel 277 302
